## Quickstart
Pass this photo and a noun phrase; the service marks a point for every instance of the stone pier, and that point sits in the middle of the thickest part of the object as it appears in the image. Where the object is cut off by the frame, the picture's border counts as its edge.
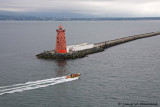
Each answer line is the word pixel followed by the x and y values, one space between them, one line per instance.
pixel 98 47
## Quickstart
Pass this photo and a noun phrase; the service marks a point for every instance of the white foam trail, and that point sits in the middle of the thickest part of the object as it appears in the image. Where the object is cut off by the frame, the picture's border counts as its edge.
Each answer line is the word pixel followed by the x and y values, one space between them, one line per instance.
pixel 31 82
pixel 34 85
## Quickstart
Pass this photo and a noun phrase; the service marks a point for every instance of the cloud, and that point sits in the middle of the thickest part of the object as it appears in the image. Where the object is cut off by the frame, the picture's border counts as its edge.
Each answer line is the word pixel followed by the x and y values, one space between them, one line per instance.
pixel 93 7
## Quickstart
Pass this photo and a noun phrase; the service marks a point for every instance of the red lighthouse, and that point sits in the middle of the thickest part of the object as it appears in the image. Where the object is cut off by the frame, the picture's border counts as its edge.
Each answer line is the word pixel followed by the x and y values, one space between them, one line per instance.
pixel 60 40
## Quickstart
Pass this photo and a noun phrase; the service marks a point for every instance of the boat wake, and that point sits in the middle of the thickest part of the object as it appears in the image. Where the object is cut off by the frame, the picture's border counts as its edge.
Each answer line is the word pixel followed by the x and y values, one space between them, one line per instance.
pixel 34 85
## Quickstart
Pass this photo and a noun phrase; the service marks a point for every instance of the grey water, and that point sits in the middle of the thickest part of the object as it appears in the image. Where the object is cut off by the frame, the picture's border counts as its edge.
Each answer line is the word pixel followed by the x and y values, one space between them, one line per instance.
pixel 125 74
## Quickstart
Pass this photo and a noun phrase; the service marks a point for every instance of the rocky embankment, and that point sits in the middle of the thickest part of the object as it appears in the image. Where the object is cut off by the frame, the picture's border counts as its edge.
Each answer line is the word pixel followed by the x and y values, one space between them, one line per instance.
pixel 98 47
pixel 72 55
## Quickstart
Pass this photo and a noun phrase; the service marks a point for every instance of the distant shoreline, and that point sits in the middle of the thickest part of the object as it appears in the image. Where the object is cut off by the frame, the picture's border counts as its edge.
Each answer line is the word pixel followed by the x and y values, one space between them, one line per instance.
pixel 33 18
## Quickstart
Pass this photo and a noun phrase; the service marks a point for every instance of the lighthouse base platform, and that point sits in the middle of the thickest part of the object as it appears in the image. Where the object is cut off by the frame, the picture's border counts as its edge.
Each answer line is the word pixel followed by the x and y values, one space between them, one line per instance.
pixel 71 55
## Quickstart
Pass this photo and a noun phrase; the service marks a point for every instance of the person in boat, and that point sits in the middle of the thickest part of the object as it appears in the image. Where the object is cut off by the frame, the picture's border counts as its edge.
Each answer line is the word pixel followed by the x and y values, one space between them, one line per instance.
pixel 75 75
pixel 71 75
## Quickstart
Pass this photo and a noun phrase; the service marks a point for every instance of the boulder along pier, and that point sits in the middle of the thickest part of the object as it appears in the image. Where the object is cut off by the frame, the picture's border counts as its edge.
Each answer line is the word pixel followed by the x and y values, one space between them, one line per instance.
pixel 81 50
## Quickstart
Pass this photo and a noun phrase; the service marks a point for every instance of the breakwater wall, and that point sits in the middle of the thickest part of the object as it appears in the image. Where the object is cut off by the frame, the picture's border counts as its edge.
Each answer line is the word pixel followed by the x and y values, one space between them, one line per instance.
pixel 98 47
pixel 111 43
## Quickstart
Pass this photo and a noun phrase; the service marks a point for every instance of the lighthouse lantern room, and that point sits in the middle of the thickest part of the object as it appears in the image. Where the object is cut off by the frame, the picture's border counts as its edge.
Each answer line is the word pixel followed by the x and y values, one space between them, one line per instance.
pixel 60 40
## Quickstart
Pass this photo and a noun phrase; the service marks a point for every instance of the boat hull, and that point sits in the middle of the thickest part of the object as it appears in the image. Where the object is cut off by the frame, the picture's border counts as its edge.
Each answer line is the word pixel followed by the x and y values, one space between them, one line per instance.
pixel 73 75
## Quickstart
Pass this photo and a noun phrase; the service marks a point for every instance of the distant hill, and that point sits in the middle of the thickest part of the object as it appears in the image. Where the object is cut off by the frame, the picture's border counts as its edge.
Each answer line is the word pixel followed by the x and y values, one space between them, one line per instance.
pixel 33 16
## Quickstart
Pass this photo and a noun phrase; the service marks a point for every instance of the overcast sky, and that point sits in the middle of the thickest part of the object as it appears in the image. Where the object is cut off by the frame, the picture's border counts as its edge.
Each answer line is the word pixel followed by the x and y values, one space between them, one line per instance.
pixel 110 8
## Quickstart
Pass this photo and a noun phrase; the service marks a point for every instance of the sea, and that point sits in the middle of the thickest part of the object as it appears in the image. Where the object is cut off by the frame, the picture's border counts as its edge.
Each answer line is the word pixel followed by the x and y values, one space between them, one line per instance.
pixel 126 75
